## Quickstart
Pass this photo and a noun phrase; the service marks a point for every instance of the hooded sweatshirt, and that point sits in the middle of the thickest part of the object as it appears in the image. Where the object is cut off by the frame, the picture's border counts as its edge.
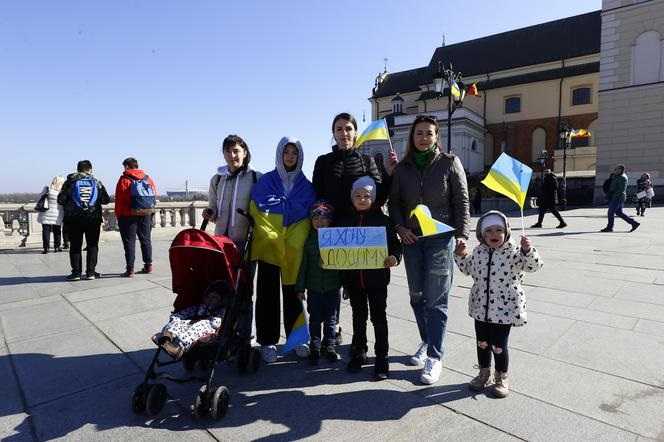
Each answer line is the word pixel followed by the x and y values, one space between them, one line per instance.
pixel 123 191
pixel 288 178
pixel 497 295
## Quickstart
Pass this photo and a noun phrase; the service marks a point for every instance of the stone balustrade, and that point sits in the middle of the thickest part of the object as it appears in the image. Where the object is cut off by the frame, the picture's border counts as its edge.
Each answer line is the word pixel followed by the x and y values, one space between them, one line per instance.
pixel 19 221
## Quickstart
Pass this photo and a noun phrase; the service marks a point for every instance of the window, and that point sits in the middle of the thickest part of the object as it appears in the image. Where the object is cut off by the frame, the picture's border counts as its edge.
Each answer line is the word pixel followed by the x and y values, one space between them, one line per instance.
pixel 538 143
pixel 512 105
pixel 396 107
pixel 473 146
pixel 647 58
pixel 581 95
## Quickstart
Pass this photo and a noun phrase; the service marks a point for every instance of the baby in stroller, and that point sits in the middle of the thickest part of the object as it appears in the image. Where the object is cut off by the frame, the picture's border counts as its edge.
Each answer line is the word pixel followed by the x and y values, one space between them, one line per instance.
pixel 197 323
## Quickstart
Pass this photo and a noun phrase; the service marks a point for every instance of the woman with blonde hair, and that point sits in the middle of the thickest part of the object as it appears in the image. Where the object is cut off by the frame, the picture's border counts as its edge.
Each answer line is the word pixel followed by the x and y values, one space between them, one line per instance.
pixel 51 218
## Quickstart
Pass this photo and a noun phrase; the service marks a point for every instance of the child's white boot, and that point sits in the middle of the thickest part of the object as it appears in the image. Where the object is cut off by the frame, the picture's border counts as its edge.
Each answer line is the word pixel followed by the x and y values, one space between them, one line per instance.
pixel 501 386
pixel 482 380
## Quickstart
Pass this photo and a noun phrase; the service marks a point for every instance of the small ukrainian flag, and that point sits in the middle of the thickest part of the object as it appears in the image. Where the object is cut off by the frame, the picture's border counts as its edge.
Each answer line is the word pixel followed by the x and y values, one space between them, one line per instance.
pixel 377 130
pixel 299 334
pixel 428 225
pixel 509 177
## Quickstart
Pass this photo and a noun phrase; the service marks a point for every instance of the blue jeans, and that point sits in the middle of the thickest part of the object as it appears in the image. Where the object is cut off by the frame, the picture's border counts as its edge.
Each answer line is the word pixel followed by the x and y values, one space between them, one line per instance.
pixel 616 209
pixel 429 267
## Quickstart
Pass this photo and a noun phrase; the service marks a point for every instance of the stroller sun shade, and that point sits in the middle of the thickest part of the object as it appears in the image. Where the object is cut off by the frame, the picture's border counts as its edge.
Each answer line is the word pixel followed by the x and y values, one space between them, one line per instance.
pixel 197 259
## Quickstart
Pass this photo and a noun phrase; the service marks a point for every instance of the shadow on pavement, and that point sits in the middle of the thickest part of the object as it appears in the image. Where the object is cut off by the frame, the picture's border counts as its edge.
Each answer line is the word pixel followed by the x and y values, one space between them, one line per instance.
pixel 67 394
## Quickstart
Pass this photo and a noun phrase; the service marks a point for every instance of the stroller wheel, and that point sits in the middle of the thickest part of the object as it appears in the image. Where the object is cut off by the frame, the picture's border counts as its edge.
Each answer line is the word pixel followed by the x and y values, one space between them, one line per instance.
pixel 254 362
pixel 156 399
pixel 139 398
pixel 219 403
pixel 200 407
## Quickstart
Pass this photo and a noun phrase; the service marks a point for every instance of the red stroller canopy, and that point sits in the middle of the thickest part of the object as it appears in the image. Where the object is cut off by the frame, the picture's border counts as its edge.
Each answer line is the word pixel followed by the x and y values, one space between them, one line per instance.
pixel 197 259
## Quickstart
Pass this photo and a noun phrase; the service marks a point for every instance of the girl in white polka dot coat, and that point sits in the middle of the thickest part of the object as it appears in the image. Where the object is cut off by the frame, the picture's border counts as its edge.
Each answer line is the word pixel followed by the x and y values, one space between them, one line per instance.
pixel 497 300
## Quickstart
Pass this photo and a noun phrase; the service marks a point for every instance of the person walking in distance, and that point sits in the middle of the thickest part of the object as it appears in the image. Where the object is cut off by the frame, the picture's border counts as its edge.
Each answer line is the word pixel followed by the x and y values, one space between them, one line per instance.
pixel 548 200
pixel 617 195
pixel 135 199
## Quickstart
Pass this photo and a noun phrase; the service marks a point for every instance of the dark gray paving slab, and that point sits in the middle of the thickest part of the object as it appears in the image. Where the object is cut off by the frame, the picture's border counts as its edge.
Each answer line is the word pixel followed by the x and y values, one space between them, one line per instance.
pixel 40 320
pixel 56 365
pixel 104 414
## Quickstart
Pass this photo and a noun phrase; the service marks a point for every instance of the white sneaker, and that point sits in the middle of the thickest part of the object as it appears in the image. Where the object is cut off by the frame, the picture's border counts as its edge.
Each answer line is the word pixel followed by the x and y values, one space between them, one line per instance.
pixel 302 351
pixel 431 371
pixel 269 353
pixel 420 355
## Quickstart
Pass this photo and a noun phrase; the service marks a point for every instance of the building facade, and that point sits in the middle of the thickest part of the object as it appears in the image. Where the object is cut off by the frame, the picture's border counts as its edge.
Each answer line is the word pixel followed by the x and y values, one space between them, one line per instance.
pixel 631 91
pixel 532 82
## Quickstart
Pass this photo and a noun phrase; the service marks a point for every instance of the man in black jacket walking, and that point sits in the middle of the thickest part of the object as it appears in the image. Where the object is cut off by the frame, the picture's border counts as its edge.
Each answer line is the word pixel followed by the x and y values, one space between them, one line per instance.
pixel 548 199
pixel 82 196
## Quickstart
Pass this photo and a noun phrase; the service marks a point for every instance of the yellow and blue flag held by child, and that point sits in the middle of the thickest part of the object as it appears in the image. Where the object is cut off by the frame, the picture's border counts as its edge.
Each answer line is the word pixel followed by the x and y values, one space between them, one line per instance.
pixel 428 225
pixel 509 177
pixel 377 130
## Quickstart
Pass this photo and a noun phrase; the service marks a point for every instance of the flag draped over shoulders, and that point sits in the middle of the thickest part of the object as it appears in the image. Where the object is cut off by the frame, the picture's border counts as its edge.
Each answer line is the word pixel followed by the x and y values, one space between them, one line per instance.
pixel 281 222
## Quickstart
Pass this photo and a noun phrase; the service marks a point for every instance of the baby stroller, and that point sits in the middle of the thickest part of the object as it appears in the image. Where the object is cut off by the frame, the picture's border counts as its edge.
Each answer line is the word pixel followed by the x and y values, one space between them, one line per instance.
pixel 197 259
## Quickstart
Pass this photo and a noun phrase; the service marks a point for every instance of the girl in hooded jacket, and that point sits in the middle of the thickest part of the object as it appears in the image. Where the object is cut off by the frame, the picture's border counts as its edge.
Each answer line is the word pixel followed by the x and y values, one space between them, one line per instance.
pixel 280 203
pixel 497 300
pixel 51 219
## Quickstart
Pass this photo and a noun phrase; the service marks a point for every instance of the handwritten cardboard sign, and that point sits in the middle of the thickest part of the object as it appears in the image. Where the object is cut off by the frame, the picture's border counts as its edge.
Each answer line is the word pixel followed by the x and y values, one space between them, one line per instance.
pixel 352 248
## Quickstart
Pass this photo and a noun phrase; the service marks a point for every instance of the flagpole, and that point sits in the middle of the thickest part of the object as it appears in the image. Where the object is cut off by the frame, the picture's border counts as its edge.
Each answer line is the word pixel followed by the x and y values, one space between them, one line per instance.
pixel 523 225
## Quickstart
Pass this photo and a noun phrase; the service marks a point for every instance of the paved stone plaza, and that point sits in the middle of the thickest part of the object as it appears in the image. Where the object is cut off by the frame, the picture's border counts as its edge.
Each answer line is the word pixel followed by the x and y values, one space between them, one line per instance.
pixel 588 366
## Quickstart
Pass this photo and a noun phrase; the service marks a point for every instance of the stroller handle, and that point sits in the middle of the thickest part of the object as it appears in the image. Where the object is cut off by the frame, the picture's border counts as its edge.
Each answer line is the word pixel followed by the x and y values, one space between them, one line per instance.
pixel 246 215
pixel 204 224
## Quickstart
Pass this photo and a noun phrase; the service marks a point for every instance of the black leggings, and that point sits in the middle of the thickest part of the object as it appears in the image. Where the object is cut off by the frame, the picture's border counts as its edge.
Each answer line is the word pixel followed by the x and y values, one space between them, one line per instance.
pixel 492 338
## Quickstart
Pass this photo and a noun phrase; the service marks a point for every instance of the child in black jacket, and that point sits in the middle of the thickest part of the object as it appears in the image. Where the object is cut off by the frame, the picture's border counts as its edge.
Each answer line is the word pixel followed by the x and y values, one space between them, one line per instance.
pixel 369 286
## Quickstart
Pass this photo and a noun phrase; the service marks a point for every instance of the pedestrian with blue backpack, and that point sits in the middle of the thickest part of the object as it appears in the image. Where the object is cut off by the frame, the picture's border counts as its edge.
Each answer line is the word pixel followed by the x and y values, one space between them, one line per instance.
pixel 135 200
pixel 82 196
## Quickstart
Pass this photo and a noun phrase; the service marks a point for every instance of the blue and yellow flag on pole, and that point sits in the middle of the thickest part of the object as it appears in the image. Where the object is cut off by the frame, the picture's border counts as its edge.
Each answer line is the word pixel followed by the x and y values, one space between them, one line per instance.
pixel 509 177
pixel 299 334
pixel 428 225
pixel 377 130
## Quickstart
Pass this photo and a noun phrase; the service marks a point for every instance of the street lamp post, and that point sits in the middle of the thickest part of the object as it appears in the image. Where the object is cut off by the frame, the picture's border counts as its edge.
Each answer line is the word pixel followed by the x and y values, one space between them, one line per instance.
pixel 452 79
pixel 566 133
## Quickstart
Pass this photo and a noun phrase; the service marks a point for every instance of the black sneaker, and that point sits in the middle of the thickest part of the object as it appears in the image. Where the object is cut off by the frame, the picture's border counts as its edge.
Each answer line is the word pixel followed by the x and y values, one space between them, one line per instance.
pixel 330 353
pixel 92 276
pixel 634 227
pixel 338 339
pixel 74 277
pixel 606 229
pixel 561 225
pixel 314 356
pixel 536 226
pixel 356 362
pixel 381 368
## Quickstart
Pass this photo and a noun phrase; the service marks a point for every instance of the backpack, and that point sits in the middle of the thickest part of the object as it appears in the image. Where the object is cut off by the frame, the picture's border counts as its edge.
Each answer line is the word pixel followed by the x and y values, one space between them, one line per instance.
pixel 606 186
pixel 84 194
pixel 143 198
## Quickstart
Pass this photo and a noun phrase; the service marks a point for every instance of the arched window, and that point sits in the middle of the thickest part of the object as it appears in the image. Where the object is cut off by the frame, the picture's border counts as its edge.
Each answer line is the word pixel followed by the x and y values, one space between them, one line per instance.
pixel 647 58
pixel 538 143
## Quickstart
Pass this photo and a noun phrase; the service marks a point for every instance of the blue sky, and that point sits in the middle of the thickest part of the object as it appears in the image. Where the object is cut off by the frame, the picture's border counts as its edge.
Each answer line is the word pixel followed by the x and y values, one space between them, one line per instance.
pixel 165 81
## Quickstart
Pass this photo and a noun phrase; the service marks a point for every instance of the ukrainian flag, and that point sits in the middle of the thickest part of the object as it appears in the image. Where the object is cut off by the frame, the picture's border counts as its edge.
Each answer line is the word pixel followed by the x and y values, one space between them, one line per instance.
pixel 509 177
pixel 455 90
pixel 281 223
pixel 299 334
pixel 428 225
pixel 377 130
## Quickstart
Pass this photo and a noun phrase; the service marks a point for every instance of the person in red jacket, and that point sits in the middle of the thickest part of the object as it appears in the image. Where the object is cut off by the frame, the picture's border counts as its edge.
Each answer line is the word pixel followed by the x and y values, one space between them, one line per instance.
pixel 135 198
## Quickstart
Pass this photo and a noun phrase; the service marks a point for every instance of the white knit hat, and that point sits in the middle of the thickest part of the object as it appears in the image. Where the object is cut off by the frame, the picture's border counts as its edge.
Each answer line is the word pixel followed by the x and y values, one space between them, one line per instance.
pixel 492 219
pixel 366 183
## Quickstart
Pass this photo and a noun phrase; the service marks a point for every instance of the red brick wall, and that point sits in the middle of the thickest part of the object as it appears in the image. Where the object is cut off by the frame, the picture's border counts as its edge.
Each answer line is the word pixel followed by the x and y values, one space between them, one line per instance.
pixel 518 135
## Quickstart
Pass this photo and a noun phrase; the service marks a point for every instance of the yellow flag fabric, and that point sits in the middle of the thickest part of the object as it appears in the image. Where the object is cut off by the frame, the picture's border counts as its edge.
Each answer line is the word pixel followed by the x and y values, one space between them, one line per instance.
pixel 278 245
pixel 509 177
pixel 377 130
